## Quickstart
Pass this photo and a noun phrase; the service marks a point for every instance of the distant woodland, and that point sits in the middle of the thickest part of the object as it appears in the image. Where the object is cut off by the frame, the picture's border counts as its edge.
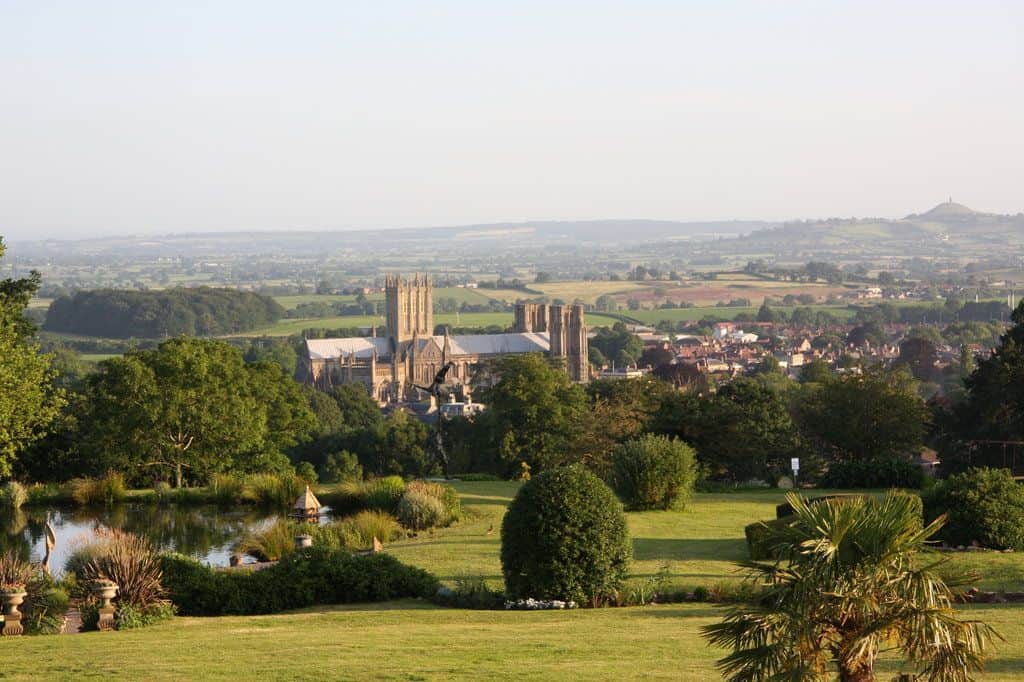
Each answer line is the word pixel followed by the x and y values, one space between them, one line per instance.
pixel 202 311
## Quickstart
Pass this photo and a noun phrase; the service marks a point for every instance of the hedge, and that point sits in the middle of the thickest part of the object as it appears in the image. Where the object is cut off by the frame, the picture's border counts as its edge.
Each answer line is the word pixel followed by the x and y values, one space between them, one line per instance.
pixel 307 577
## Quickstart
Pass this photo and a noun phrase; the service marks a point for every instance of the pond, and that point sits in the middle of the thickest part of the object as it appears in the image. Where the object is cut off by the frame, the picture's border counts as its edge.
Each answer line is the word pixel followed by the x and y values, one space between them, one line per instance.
pixel 207 533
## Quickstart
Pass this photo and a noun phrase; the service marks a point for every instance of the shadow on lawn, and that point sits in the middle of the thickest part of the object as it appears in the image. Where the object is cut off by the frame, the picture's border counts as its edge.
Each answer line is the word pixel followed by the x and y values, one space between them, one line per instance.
pixel 731 549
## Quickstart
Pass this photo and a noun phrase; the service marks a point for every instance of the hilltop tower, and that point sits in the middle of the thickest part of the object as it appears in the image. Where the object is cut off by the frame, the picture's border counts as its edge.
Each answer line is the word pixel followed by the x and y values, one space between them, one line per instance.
pixel 409 307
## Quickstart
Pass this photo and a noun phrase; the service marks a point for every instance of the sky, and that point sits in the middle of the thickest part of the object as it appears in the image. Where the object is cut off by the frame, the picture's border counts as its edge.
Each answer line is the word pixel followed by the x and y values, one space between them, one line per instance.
pixel 143 118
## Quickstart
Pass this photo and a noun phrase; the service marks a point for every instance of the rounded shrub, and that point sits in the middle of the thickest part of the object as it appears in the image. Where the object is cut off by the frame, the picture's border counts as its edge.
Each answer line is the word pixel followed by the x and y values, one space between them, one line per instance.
pixel 654 472
pixel 982 505
pixel 565 537
pixel 418 510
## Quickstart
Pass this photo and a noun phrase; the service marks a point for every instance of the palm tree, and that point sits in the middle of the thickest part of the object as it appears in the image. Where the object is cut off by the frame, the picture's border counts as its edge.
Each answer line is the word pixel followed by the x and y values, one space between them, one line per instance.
pixel 850 583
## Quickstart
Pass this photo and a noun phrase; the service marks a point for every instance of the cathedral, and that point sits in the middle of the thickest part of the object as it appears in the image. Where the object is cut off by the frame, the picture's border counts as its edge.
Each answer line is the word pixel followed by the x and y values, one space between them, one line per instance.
pixel 410 353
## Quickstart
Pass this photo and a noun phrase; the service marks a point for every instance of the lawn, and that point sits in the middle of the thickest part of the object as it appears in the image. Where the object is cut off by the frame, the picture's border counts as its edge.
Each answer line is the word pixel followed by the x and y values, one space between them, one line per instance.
pixel 414 641
pixel 700 544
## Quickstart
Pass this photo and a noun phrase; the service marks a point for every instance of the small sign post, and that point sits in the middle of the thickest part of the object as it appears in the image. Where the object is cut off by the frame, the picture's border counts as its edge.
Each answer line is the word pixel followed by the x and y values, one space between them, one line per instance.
pixel 794 464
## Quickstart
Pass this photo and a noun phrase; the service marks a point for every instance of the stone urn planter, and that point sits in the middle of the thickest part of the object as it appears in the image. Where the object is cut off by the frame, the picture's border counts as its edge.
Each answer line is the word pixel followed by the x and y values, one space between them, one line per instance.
pixel 105 590
pixel 12 596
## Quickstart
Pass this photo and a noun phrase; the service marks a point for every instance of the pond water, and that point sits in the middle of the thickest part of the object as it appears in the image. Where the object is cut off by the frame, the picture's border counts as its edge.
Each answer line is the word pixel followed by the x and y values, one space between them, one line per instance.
pixel 207 533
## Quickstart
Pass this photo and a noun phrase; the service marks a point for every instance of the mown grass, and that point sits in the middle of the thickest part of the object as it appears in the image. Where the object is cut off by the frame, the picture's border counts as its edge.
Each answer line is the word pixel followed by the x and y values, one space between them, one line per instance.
pixel 415 641
pixel 411 640
pixel 699 544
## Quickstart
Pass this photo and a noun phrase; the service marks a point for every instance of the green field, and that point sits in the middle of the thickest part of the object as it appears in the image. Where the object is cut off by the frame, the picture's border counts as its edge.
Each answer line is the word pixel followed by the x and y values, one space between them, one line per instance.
pixel 288 327
pixel 411 640
pixel 289 302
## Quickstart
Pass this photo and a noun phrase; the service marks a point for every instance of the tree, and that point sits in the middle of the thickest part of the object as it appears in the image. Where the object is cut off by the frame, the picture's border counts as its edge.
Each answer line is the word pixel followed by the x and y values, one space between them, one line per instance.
pixel 994 409
pixel 358 409
pixel 866 417
pixel 190 405
pixel 849 584
pixel 29 402
pixel 743 431
pixel 919 355
pixel 533 412
pixel 817 371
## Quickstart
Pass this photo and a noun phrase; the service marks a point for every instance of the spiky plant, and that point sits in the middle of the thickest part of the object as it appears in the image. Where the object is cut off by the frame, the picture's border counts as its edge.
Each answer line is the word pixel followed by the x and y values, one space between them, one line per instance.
pixel 15 572
pixel 852 581
pixel 126 559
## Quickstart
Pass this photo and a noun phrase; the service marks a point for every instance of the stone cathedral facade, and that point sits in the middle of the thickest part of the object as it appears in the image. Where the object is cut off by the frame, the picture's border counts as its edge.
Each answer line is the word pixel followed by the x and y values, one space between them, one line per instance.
pixel 410 353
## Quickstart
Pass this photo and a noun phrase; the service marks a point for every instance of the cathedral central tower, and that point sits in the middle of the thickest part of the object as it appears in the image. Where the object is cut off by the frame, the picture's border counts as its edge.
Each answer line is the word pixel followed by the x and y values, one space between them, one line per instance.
pixel 409 307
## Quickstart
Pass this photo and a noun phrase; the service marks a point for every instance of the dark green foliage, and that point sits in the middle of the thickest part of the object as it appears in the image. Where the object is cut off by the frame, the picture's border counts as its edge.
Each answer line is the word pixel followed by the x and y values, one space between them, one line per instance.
pixel 201 311
pixel 565 537
pixel 306 577
pixel 618 345
pixel 131 617
pixel 653 472
pixel 994 409
pixel 44 608
pixel 29 401
pixel 191 407
pixel 762 537
pixel 534 413
pixel 471 592
pixel 743 431
pixel 981 505
pixel 891 472
pixel 868 417
pixel 341 466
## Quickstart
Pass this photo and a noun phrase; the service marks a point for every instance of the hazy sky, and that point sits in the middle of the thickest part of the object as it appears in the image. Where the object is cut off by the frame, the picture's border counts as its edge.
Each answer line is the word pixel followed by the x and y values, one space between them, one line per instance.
pixel 141 117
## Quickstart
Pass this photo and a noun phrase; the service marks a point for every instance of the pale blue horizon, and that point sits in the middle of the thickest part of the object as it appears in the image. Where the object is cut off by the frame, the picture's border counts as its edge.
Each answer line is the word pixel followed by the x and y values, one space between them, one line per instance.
pixel 133 118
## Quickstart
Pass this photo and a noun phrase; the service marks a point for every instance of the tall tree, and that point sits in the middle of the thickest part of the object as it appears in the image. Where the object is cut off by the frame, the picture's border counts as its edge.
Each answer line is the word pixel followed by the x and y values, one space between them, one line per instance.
pixel 190 406
pixel 870 416
pixel 29 402
pixel 849 584
pixel 533 412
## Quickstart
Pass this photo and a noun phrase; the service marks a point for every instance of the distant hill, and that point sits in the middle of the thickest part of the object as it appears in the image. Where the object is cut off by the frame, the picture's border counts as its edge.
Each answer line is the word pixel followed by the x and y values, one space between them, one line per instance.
pixel 304 243
pixel 950 208
pixel 947 229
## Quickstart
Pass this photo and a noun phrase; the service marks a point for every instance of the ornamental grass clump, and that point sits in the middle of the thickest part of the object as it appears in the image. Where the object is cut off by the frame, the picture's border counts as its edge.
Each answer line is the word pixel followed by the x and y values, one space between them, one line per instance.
pixel 15 572
pixel 108 490
pixel 227 490
pixel 13 495
pixel 358 531
pixel 274 541
pixel 565 538
pixel 271 490
pixel 383 494
pixel 124 558
pixel 419 511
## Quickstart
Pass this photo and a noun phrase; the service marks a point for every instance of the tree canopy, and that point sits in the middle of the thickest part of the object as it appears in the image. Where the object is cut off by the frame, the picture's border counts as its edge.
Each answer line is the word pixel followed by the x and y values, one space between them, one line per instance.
pixel 29 402
pixel 194 407
pixel 201 311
